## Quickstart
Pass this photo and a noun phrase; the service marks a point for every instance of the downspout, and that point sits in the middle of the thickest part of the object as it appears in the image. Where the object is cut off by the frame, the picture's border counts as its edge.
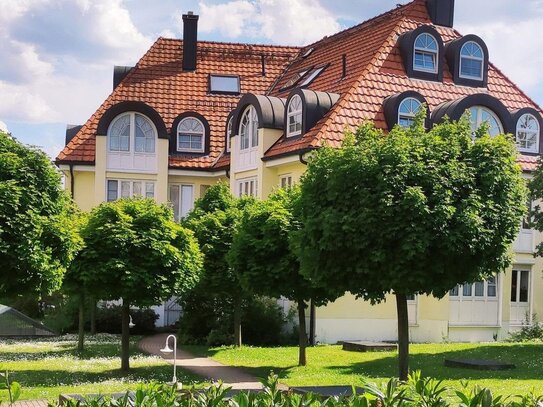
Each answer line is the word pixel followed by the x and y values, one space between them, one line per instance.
pixel 71 180
pixel 228 173
pixel 304 162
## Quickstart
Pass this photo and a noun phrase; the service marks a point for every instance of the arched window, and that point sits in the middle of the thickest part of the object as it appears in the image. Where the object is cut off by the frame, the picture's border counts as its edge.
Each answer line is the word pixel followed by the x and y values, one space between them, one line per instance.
pixel 480 115
pixel 407 111
pixel 248 129
pixel 132 132
pixel 294 116
pixel 190 135
pixel 228 134
pixel 426 53
pixel 471 61
pixel 527 133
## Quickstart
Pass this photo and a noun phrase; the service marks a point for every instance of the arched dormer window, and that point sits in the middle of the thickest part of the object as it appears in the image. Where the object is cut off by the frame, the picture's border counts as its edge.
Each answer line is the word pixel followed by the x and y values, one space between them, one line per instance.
pixel 409 107
pixel 527 133
pixel 248 129
pixel 480 115
pixel 294 116
pixel 229 133
pixel 422 53
pixel 467 58
pixel 190 135
pixel 426 53
pixel 472 60
pixel 132 132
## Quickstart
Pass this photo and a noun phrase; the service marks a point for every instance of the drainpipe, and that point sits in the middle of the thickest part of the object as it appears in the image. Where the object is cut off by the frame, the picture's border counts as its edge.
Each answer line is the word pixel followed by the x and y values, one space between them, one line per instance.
pixel 71 180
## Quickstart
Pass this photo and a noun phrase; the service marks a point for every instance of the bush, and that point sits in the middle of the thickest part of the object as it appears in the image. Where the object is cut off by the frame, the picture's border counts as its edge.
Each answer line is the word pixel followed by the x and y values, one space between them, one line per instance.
pixel 209 320
pixel 108 320
pixel 528 332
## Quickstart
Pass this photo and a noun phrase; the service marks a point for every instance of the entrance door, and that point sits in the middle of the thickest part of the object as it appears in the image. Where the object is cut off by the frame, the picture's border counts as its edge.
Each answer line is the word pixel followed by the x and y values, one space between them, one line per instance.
pixel 520 297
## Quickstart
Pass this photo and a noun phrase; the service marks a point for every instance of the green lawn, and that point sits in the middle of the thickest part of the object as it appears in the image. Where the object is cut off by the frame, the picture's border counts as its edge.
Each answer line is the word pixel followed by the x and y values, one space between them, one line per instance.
pixel 49 367
pixel 329 365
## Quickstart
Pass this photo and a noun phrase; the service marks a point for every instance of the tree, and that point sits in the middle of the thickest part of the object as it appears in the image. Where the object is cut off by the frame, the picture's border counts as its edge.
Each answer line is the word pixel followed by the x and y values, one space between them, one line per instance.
pixel 265 259
pixel 37 238
pixel 412 212
pixel 135 251
pixel 213 222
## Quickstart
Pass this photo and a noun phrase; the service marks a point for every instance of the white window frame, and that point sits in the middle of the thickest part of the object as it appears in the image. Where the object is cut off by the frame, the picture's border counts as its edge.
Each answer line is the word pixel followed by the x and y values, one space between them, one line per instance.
pixel 191 134
pixel 145 186
pixel 132 135
pixel 473 58
pixel 536 133
pixel 247 187
pixel 426 51
pixel 479 119
pixel 228 133
pixel 183 206
pixel 408 116
pixel 519 272
pixel 457 293
pixel 295 115
pixel 248 140
pixel 285 181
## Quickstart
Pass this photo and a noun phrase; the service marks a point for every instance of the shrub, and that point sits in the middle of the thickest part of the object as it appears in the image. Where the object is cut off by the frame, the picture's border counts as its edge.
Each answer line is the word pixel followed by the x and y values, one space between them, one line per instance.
pixel 108 320
pixel 528 332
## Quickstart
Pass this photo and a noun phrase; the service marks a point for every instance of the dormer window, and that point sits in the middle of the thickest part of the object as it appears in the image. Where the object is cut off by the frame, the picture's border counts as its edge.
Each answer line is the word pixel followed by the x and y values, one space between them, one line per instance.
pixel 527 133
pixel 471 61
pixel 426 53
pixel 132 132
pixel 294 116
pixel 190 135
pixel 480 115
pixel 407 111
pixel 248 129
pixel 224 84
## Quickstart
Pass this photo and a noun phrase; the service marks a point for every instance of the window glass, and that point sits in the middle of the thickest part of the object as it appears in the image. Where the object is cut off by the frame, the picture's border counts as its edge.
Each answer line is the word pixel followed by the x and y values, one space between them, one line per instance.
pixel 145 135
pixel 294 116
pixel 479 289
pixel 426 53
pixel 228 134
pixel 248 129
pixel 174 199
pixel 471 61
pixel 112 190
pixel 528 133
pixel 312 75
pixel 190 135
pixel 224 84
pixel 466 292
pixel 286 181
pixel 182 200
pixel 149 190
pixel 527 220
pixel 480 115
pixel 407 111
pixel 524 284
pixel 491 287
pixel 119 134
pixel 136 189
pixel 294 79
pixel 514 286
pixel 247 187
pixel 125 189
pixel 454 291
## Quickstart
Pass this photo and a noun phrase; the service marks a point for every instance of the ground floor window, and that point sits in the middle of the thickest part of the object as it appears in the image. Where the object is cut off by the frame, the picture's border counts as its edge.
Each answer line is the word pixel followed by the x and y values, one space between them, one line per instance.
pixel 247 186
pixel 286 181
pixel 117 189
pixel 480 289
pixel 182 199
pixel 475 304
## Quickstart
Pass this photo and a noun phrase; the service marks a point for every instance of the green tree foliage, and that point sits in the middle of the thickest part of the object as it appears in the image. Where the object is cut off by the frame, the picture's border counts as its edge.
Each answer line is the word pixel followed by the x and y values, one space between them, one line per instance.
pixel 37 238
pixel 265 259
pixel 135 251
pixel 213 222
pixel 411 212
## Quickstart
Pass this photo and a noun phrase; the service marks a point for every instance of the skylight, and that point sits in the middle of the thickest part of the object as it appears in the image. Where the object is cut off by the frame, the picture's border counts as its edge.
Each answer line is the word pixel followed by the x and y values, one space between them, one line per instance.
pixel 313 75
pixel 224 84
pixel 294 79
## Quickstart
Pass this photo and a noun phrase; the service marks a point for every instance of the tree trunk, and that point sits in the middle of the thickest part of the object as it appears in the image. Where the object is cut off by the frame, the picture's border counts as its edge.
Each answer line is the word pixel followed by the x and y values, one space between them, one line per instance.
pixel 403 336
pixel 93 317
pixel 81 326
pixel 302 345
pixel 312 324
pixel 125 340
pixel 237 322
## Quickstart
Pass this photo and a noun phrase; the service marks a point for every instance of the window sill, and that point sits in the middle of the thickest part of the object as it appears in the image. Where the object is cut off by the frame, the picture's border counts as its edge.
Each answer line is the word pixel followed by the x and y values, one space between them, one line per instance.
pixel 473 326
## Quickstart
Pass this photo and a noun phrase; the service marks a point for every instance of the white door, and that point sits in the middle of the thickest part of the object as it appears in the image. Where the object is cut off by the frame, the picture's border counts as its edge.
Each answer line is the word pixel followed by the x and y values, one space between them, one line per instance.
pixel 520 296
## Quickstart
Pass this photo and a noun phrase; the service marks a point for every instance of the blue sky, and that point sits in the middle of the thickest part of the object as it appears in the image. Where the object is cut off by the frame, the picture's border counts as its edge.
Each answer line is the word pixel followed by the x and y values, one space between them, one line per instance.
pixel 58 55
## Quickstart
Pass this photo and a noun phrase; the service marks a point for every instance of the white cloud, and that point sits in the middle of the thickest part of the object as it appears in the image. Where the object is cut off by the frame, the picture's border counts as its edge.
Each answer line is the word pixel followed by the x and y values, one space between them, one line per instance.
pixel 19 102
pixel 281 21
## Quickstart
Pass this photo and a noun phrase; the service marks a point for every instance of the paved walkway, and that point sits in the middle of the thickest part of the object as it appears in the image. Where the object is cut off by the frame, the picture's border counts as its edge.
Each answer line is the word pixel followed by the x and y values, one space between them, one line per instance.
pixel 27 403
pixel 205 367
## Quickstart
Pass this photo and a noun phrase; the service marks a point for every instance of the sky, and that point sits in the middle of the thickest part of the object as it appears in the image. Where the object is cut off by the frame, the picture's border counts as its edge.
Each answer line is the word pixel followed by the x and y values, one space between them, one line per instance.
pixel 57 56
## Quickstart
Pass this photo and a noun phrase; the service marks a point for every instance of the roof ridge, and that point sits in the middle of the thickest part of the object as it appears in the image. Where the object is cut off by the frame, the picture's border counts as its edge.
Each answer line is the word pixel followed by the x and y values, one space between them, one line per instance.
pixel 247 44
pixel 357 83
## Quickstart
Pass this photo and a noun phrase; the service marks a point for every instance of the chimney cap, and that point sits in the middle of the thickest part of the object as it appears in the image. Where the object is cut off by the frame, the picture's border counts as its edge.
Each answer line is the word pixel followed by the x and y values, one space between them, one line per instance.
pixel 190 16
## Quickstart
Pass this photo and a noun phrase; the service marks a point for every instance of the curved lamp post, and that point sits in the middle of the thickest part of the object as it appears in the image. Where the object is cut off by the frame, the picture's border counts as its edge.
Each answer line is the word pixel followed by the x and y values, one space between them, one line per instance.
pixel 167 349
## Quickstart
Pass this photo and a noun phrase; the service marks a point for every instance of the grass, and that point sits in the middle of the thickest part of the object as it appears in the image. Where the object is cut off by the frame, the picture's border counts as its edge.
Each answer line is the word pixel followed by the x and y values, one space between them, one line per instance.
pixel 46 368
pixel 330 365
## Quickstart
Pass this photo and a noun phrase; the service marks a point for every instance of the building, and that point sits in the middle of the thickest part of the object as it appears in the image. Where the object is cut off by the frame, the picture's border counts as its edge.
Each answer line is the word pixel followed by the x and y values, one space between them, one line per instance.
pixel 191 113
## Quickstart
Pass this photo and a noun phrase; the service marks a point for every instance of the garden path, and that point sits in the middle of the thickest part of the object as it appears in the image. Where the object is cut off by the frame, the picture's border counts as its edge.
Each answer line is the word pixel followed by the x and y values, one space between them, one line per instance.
pixel 206 367
pixel 27 403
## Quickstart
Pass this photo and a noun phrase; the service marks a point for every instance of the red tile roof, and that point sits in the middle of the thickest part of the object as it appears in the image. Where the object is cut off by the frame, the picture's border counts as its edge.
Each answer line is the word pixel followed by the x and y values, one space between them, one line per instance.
pixel 159 81
pixel 375 71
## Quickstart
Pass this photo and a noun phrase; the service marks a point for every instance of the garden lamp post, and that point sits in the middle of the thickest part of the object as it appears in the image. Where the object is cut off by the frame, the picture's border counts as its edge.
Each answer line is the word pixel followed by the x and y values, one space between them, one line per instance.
pixel 167 349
